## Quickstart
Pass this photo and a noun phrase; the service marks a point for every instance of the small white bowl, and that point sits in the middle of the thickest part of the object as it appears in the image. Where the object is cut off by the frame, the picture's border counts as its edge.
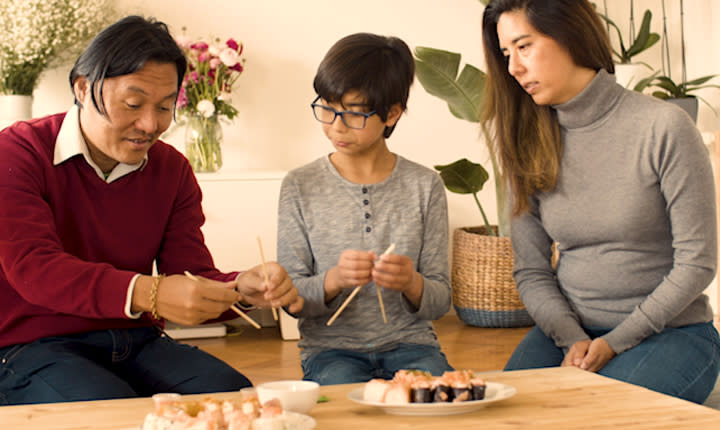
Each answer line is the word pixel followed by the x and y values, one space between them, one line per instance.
pixel 295 396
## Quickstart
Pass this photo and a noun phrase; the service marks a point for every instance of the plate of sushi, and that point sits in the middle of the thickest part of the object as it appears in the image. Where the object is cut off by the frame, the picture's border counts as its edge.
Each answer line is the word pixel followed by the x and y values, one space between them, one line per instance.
pixel 413 392
pixel 172 412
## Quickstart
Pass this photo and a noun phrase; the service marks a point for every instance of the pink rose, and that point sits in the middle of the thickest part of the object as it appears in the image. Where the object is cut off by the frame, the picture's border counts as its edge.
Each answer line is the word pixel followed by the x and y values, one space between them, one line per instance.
pixel 228 57
pixel 214 63
pixel 232 44
pixel 183 42
pixel 182 99
pixel 237 67
pixel 199 46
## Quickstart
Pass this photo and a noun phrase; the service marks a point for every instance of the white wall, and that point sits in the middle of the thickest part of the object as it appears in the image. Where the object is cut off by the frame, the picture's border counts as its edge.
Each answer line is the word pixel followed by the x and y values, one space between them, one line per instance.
pixel 285 40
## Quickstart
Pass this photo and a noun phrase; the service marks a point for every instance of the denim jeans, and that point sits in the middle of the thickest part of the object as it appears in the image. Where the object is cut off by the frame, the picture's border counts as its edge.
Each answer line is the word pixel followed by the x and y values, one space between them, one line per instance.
pixel 342 367
pixel 109 364
pixel 682 362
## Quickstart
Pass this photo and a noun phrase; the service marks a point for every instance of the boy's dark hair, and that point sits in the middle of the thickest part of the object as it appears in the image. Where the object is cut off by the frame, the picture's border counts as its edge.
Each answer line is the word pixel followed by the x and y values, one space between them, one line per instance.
pixel 124 48
pixel 380 68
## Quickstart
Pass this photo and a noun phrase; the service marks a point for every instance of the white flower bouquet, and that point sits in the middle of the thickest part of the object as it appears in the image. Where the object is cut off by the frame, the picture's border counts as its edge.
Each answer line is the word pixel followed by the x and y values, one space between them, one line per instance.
pixel 37 34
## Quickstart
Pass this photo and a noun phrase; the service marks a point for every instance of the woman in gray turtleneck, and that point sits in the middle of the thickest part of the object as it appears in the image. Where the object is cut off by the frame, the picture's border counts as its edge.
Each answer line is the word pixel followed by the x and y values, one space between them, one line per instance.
pixel 622 183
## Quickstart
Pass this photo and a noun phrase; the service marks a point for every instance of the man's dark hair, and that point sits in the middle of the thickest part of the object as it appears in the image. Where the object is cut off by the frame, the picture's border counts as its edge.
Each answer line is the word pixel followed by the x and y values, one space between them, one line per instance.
pixel 124 48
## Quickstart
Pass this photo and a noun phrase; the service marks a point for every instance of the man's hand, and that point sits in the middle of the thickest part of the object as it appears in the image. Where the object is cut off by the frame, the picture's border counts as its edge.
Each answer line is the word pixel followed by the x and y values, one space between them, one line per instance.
pixel 279 291
pixel 183 300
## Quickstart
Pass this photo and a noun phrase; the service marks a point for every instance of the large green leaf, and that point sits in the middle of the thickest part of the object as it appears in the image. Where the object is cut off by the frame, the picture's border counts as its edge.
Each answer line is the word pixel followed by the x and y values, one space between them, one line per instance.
pixel 463 176
pixel 644 38
pixel 437 71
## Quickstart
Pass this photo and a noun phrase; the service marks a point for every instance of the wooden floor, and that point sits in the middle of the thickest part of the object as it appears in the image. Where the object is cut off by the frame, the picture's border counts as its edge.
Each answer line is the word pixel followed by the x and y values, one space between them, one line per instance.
pixel 262 355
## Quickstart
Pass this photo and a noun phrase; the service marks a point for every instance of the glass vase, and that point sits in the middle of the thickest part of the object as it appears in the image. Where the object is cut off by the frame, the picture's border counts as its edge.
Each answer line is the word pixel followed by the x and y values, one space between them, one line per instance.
pixel 203 143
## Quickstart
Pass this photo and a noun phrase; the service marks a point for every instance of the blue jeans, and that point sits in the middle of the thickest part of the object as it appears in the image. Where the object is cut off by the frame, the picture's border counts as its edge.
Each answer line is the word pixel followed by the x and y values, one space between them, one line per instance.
pixel 109 364
pixel 682 362
pixel 343 367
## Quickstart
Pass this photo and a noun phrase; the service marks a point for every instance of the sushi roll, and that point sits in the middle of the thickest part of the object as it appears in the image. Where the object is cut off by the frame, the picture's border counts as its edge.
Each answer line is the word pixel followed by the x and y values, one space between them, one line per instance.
pixel 397 394
pixel 477 387
pixel 461 392
pixel 421 391
pixel 375 390
pixel 441 391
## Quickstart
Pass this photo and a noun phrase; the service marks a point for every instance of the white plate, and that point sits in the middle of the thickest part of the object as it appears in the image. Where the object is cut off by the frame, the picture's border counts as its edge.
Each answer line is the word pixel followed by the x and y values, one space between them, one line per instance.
pixel 293 421
pixel 494 392
pixel 296 421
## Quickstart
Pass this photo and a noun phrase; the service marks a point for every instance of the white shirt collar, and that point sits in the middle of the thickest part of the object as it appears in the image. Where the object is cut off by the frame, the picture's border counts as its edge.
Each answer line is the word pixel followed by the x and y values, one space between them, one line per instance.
pixel 70 142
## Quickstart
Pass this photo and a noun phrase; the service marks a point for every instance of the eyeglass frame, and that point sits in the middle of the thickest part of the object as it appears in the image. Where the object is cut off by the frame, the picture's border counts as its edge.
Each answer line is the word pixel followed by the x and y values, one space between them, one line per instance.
pixel 341 114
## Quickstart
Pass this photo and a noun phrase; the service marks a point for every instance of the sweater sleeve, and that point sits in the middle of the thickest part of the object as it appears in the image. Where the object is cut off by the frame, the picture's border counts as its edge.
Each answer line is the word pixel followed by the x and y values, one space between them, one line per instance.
pixel 433 262
pixel 686 182
pixel 32 257
pixel 295 252
pixel 536 281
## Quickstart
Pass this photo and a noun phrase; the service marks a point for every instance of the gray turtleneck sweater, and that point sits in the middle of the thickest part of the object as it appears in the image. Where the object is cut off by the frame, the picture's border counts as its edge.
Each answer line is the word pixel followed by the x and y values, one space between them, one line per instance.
pixel 633 213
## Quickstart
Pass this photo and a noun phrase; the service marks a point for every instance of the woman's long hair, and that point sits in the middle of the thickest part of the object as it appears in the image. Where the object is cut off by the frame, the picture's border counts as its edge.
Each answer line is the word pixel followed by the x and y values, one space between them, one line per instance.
pixel 526 136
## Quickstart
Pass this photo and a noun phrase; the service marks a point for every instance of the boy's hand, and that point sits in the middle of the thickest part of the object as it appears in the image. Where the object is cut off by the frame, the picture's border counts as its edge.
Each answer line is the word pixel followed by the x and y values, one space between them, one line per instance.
pixel 353 269
pixel 396 272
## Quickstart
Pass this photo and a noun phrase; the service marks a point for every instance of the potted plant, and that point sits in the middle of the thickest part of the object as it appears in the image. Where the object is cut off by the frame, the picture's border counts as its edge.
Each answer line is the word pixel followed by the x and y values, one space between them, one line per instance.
pixel 626 69
pixel 680 93
pixel 484 292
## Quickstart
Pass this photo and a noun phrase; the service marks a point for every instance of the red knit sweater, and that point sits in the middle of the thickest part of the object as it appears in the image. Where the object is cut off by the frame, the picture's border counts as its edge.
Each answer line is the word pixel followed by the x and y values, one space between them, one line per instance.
pixel 70 242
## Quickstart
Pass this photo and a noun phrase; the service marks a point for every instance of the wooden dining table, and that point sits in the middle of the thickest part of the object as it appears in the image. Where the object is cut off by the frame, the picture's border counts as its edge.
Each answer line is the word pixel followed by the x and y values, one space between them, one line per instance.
pixel 553 398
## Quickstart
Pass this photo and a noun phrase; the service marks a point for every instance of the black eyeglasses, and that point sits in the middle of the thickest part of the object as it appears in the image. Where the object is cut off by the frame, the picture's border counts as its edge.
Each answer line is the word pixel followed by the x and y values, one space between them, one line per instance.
pixel 327 115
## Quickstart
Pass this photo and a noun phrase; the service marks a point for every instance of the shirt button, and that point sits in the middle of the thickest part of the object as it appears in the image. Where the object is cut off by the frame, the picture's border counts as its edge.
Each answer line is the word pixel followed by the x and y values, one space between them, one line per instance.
pixel 368 229
pixel 367 216
pixel 365 190
pixel 366 202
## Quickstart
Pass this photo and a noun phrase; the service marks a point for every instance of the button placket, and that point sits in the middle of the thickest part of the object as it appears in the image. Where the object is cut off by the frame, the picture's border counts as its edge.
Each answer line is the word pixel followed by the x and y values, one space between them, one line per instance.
pixel 367 215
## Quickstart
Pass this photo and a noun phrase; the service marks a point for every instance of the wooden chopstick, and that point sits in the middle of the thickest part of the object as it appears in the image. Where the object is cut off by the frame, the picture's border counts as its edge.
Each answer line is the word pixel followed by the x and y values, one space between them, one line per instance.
pixel 233 307
pixel 357 290
pixel 390 249
pixel 267 279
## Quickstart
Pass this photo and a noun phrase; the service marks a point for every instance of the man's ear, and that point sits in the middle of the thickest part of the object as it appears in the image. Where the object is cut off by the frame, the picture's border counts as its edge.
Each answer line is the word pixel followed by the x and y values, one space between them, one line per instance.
pixel 80 89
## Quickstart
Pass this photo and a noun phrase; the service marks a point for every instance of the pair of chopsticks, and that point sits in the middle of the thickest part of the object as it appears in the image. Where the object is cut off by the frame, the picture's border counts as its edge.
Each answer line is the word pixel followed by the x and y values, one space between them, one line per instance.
pixel 357 290
pixel 234 307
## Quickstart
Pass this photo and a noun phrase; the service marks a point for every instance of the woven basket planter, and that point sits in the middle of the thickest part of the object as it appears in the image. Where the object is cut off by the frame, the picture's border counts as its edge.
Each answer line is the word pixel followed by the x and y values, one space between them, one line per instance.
pixel 484 292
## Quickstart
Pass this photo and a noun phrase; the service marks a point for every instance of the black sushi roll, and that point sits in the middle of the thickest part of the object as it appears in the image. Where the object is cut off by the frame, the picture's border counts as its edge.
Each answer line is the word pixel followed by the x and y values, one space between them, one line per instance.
pixel 421 395
pixel 477 388
pixel 461 394
pixel 442 393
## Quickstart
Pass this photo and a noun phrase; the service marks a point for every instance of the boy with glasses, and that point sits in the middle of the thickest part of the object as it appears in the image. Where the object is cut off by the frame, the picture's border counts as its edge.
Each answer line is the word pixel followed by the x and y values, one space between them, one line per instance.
pixel 338 213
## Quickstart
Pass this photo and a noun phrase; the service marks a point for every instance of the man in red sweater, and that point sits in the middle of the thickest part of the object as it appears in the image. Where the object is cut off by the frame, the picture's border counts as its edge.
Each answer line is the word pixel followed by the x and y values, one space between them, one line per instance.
pixel 89 200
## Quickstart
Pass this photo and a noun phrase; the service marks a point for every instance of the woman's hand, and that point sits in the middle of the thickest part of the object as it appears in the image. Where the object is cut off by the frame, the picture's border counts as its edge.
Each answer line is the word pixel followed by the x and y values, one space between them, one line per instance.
pixel 589 355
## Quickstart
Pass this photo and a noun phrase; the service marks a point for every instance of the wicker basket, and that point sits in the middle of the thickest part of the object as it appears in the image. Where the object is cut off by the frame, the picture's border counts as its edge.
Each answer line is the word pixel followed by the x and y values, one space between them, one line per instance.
pixel 484 292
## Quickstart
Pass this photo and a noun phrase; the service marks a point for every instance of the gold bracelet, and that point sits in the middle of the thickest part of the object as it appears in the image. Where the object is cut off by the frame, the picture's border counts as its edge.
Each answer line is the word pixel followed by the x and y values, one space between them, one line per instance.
pixel 153 296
